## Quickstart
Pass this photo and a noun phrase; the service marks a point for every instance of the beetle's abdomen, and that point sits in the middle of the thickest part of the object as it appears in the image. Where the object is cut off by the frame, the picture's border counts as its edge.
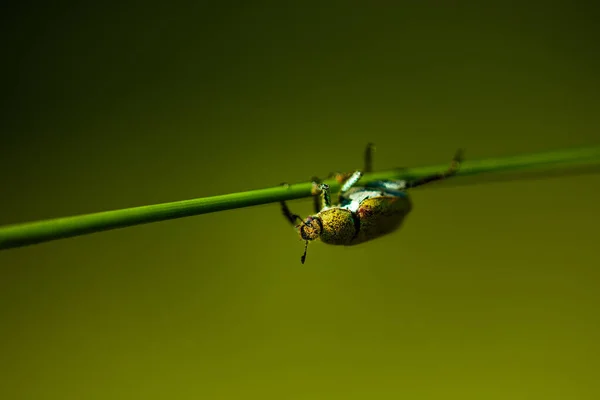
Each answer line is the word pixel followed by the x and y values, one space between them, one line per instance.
pixel 381 215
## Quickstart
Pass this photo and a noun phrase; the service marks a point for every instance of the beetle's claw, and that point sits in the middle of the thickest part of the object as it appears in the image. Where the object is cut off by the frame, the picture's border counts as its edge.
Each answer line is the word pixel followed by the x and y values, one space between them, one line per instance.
pixel 316 188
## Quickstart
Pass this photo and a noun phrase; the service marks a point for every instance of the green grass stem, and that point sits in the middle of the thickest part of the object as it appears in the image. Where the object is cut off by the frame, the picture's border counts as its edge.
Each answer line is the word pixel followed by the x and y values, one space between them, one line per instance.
pixel 19 235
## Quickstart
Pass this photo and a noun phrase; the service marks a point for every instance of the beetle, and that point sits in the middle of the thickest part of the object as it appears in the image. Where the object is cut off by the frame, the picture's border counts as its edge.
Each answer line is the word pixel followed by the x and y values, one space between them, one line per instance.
pixel 363 213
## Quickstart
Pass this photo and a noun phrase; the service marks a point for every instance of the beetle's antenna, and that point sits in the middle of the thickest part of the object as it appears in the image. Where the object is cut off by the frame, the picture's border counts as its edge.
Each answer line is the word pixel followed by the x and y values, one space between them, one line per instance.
pixel 304 255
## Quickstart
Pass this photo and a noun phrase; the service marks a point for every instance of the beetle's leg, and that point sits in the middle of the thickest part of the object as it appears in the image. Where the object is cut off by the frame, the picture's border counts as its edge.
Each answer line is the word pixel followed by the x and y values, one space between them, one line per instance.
pixel 325 195
pixel 338 176
pixel 351 181
pixel 369 157
pixel 287 213
pixel 454 166
pixel 316 194
pixel 399 185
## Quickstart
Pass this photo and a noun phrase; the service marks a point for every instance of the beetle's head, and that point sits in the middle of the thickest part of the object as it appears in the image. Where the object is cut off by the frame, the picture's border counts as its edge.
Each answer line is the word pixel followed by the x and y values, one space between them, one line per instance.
pixel 310 229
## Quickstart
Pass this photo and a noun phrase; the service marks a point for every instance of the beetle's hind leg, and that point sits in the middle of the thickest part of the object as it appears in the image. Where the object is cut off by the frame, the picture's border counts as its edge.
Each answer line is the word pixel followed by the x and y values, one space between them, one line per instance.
pixel 454 167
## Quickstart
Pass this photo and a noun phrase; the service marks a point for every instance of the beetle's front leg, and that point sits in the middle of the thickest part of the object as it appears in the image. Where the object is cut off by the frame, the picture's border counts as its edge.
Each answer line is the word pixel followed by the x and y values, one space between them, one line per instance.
pixel 287 213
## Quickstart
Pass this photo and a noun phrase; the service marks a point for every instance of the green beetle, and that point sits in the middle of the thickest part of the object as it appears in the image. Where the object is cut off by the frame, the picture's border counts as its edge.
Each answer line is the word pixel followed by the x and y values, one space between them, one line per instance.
pixel 364 212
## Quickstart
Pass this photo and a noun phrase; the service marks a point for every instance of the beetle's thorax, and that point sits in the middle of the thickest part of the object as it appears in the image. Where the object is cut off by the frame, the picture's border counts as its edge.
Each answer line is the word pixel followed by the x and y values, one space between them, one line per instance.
pixel 338 225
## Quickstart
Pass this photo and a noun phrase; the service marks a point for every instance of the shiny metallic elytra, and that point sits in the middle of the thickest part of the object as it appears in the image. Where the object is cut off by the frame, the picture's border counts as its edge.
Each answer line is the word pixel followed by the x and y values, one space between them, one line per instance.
pixel 364 212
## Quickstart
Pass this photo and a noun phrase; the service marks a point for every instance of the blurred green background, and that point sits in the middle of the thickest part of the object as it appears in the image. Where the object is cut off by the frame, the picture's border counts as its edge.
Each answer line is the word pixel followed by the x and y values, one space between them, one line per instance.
pixel 490 291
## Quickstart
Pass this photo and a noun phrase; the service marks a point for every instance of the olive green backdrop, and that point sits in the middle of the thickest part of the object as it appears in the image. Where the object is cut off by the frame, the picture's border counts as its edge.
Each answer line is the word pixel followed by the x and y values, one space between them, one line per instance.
pixel 490 291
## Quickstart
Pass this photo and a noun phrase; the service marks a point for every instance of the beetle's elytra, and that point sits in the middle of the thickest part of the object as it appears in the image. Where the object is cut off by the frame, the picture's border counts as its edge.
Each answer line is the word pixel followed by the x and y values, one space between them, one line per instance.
pixel 364 212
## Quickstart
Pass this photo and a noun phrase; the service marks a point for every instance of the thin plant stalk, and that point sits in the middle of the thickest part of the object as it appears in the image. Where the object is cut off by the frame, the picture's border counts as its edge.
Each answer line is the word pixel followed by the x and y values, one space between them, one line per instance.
pixel 19 235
